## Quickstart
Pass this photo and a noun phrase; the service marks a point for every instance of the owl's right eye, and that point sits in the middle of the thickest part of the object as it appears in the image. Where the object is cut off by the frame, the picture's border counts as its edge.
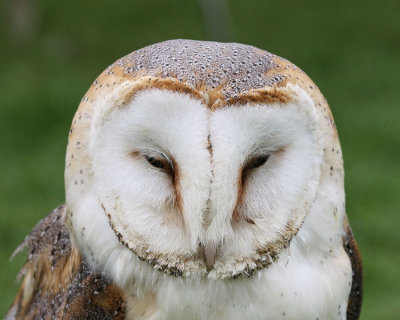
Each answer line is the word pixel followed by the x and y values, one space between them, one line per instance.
pixel 157 163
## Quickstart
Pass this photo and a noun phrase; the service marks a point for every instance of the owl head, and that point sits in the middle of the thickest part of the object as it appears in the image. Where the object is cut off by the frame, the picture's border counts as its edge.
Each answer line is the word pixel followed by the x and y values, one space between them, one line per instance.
pixel 202 160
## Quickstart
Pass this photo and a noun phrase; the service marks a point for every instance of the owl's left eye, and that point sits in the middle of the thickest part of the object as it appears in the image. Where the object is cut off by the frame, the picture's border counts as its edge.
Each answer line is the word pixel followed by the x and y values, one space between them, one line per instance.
pixel 257 162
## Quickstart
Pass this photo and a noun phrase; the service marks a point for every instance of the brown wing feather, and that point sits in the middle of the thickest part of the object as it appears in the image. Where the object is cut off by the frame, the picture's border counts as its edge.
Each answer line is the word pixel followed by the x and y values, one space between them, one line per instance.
pixel 355 298
pixel 58 283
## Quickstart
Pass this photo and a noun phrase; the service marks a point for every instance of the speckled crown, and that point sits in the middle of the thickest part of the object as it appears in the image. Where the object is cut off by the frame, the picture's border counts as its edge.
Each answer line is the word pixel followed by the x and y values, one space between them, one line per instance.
pixel 232 67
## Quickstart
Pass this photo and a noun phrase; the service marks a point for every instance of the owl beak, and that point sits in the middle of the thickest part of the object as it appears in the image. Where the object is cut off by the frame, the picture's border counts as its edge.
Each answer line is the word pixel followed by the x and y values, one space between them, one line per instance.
pixel 209 254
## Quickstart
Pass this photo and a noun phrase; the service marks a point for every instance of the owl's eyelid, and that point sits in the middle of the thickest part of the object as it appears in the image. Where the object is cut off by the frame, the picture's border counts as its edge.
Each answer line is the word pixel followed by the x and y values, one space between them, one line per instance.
pixel 252 162
pixel 160 156
pixel 260 154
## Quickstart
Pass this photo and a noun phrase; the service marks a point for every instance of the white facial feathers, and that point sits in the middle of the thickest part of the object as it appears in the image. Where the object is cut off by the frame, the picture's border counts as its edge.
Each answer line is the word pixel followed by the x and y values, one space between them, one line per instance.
pixel 157 125
pixel 207 202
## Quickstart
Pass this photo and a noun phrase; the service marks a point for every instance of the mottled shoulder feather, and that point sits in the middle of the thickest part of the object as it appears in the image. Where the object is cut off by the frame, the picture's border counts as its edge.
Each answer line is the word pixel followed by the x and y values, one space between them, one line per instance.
pixel 355 298
pixel 49 235
pixel 57 281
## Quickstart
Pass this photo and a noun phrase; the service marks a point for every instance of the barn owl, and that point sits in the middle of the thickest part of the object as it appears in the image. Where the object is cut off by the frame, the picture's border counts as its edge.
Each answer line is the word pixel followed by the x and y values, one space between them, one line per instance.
pixel 203 180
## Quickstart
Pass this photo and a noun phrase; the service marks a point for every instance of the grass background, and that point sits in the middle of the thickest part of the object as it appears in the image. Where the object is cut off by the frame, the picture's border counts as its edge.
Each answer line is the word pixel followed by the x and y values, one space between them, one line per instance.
pixel 351 49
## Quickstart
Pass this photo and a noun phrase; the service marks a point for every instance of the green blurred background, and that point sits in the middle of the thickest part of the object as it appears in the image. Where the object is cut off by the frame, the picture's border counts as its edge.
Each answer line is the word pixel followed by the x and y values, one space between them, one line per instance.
pixel 51 51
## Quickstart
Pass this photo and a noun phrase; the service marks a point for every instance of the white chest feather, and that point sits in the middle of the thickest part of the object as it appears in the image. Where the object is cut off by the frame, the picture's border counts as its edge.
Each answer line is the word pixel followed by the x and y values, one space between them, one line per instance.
pixel 310 286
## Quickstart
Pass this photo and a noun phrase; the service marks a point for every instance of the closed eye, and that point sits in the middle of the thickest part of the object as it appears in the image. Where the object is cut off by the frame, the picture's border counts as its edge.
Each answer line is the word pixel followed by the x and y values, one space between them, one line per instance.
pixel 162 163
pixel 257 162
pixel 156 162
